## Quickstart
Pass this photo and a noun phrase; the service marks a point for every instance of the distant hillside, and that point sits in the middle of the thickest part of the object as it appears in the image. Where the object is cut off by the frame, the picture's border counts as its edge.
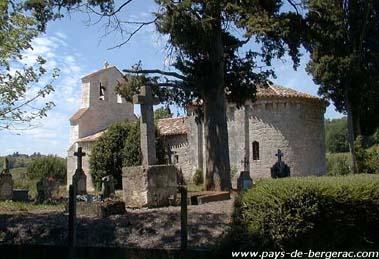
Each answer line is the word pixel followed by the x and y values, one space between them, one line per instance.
pixel 17 160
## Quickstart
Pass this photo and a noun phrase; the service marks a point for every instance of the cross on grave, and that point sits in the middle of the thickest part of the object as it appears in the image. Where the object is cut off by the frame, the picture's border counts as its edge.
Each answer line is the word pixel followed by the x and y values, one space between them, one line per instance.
pixel 279 155
pixel 80 154
pixel 245 163
pixel 5 166
pixel 79 179
pixel 146 99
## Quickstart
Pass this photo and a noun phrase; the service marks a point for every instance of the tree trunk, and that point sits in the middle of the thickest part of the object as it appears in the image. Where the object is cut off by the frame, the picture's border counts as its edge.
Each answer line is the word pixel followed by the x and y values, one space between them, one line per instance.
pixel 217 174
pixel 350 131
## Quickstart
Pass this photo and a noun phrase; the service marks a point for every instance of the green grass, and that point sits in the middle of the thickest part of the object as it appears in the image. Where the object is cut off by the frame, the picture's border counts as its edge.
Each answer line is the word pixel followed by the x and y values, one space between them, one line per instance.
pixel 11 206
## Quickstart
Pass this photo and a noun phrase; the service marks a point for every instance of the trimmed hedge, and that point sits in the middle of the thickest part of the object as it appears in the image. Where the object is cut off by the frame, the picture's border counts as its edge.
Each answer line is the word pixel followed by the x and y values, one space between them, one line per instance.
pixel 323 213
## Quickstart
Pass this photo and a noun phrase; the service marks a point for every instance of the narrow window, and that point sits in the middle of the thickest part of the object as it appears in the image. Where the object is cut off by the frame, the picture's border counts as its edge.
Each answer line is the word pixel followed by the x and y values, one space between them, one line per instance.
pixel 101 92
pixel 176 159
pixel 255 150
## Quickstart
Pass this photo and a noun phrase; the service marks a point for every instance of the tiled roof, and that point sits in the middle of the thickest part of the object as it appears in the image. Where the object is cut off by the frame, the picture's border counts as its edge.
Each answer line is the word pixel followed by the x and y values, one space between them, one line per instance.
pixel 92 137
pixel 280 91
pixel 78 114
pixel 100 71
pixel 172 126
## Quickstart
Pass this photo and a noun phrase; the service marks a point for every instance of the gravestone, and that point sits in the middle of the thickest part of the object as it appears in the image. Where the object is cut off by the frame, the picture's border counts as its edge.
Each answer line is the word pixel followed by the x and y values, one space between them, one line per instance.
pixel 108 186
pixel 280 169
pixel 244 181
pixel 6 182
pixel 45 189
pixel 148 185
pixel 79 179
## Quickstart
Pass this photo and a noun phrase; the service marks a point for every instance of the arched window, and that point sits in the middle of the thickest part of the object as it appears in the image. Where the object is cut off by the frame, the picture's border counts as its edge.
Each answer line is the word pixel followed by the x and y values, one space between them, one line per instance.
pixel 101 92
pixel 255 150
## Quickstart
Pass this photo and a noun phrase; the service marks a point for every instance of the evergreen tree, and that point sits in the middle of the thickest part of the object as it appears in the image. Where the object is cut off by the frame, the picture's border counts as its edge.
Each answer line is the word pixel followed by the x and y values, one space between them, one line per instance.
pixel 343 43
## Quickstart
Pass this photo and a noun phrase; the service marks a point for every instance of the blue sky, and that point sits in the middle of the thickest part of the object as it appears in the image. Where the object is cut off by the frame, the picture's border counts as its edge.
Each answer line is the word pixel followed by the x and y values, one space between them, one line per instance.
pixel 78 49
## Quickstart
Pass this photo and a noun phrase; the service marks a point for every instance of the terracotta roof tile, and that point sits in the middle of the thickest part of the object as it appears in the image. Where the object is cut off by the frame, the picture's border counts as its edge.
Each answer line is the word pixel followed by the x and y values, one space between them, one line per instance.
pixel 92 137
pixel 172 126
pixel 280 91
pixel 78 114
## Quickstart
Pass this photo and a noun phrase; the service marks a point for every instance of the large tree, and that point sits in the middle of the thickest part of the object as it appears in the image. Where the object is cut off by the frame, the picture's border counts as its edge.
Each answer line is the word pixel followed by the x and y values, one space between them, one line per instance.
pixel 211 64
pixel 19 88
pixel 343 43
pixel 210 59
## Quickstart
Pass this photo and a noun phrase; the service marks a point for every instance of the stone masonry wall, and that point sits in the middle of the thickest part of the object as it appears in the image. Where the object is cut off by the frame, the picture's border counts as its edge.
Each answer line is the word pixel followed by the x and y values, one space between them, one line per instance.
pixel 294 126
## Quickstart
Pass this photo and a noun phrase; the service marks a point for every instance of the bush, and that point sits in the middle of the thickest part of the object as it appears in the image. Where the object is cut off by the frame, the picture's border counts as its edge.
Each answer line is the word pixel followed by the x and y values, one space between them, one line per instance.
pixel 48 166
pixel 118 146
pixel 324 213
pixel 338 164
pixel 198 177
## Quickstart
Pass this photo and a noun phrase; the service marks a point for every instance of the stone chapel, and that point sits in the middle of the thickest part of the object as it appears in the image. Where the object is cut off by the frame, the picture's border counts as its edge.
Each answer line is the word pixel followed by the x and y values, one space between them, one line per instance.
pixel 280 118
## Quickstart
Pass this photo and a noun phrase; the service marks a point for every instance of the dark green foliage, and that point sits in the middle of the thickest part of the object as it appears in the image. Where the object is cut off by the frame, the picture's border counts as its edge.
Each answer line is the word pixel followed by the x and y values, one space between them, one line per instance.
pixel 368 158
pixel 336 135
pixel 118 146
pixel 318 213
pixel 198 177
pixel 162 113
pixel 48 166
pixel 338 164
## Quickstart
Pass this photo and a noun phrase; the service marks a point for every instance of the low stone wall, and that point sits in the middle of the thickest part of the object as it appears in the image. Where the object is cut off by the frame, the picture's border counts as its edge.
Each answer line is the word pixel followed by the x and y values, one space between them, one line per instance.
pixel 151 186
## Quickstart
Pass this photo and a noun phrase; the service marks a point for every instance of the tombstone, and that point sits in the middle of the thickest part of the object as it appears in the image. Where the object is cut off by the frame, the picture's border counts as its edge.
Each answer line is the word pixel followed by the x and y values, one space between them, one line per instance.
pixel 79 179
pixel 280 169
pixel 108 186
pixel 6 182
pixel 244 181
pixel 45 189
pixel 148 185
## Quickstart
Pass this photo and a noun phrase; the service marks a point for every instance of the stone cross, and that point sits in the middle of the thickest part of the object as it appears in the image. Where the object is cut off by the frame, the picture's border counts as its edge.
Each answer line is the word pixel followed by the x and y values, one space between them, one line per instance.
pixel 279 155
pixel 147 100
pixel 80 154
pixel 245 163
pixel 79 179
pixel 5 166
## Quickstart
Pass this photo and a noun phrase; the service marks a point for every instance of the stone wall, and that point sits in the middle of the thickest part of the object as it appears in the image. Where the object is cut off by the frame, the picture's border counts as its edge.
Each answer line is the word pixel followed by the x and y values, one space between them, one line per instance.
pixel 102 113
pixel 294 126
pixel 151 186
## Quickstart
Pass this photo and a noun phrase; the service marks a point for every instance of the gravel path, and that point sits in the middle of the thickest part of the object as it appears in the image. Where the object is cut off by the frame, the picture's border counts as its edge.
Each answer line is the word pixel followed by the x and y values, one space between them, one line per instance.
pixel 145 228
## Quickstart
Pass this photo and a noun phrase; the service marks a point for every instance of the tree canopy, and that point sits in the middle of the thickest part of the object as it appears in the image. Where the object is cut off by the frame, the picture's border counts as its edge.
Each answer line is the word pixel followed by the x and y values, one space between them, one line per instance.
pixel 336 136
pixel 342 39
pixel 162 113
pixel 19 89
pixel 211 44
pixel 48 166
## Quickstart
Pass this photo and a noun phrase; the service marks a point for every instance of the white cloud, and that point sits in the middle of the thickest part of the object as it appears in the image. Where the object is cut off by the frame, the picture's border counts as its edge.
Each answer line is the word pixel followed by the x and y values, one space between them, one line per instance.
pixel 52 131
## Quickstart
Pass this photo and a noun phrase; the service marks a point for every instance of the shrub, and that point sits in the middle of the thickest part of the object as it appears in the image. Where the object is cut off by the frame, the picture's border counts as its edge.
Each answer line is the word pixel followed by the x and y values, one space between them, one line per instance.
pixel 338 164
pixel 118 146
pixel 47 166
pixel 198 177
pixel 324 213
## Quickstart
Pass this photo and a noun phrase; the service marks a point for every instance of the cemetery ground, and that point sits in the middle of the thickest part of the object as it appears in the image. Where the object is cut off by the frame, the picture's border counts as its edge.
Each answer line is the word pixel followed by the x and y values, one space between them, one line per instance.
pixel 29 224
